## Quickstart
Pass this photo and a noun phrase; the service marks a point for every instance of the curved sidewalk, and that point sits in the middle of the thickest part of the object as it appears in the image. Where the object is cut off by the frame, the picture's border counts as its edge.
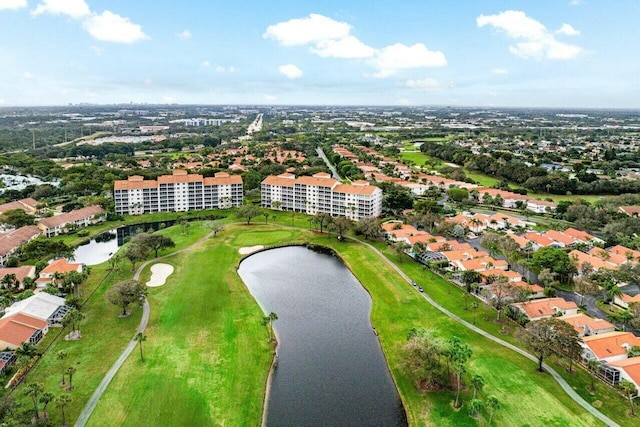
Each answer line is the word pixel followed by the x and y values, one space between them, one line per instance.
pixel 561 381
pixel 111 373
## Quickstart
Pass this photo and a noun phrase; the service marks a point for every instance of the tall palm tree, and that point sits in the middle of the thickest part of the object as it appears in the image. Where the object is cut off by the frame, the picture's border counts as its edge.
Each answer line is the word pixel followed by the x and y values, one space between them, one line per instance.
pixel 34 390
pixel 272 316
pixel 140 337
pixel 593 366
pixel 61 356
pixel 477 382
pixel 70 371
pixel 61 403
pixel 46 398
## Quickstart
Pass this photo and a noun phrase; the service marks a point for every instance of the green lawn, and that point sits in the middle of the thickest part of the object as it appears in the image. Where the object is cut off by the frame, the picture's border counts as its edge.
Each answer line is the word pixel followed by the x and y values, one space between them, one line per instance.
pixel 104 334
pixel 218 318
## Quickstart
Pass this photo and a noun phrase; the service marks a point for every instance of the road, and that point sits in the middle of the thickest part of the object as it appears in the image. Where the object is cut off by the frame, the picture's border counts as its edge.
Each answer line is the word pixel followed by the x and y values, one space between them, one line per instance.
pixel 256 125
pixel 333 170
pixel 556 376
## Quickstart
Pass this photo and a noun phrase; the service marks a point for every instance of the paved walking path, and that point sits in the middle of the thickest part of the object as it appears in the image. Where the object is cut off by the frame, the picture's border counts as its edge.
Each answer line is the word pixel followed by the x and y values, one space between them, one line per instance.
pixel 111 373
pixel 565 386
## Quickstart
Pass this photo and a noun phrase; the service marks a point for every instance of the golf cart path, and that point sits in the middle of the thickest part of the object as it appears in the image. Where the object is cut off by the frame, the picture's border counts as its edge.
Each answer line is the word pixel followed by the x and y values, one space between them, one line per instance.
pixel 111 373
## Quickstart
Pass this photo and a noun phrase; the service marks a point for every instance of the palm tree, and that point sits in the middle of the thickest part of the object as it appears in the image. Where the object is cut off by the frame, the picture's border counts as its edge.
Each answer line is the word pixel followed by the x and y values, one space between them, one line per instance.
pixel 493 404
pixel 140 337
pixel 625 317
pixel 474 407
pixel 77 317
pixel 34 390
pixel 477 382
pixel 629 390
pixel 26 349
pixel 70 371
pixel 61 403
pixel 593 366
pixel 474 307
pixel 46 398
pixel 272 316
pixel 61 356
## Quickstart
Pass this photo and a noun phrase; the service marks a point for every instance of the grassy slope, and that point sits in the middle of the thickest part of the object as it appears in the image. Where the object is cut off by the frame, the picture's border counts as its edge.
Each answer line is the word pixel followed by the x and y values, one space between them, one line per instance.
pixel 204 390
pixel 105 335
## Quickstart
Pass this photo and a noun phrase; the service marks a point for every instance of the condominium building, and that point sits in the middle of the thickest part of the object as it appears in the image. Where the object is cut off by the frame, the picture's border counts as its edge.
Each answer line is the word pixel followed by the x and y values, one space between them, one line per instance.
pixel 321 193
pixel 177 193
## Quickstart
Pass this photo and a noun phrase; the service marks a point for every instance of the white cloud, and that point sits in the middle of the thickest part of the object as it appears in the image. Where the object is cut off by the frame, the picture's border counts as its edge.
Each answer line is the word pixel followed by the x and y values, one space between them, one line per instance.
pixel 113 28
pixel 97 50
pixel 12 5
pixel 301 31
pixel 72 8
pixel 148 82
pixel 399 56
pixel 220 69
pixel 348 47
pixel 206 64
pixel 270 97
pixel 428 84
pixel 575 2
pixel 231 69
pixel 567 30
pixel 536 41
pixel 499 71
pixel 185 35
pixel 29 76
pixel 290 71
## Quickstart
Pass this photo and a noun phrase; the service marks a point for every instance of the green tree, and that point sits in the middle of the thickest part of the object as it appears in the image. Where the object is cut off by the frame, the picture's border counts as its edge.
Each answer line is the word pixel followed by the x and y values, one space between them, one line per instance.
pixel 323 219
pixel 340 225
pixel 593 366
pixel 123 294
pixel 546 337
pixel 61 403
pixel 556 260
pixel 477 382
pixel 135 253
pixel 214 226
pixel 70 373
pixel 630 391
pixel 458 354
pixel 61 356
pixel 154 242
pixel 248 212
pixel 34 390
pixel 369 227
pixel 45 399
pixel 140 337
pixel 469 277
pixel 475 406
pixel 458 194
pixel 492 404
pixel 17 217
pixel 422 358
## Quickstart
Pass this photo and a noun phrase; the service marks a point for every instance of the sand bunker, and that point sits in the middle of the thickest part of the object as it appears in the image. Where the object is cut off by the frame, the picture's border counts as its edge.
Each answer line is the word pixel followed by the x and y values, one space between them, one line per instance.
pixel 250 249
pixel 159 274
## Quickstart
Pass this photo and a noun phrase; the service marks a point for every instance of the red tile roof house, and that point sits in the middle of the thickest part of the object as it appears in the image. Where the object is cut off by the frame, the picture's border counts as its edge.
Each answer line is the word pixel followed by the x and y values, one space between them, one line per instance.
pixel 546 307
pixel 20 274
pixel 586 325
pixel 20 328
pixel 27 205
pixel 11 242
pixel 629 370
pixel 609 347
pixel 61 266
pixel 70 221
pixel 625 300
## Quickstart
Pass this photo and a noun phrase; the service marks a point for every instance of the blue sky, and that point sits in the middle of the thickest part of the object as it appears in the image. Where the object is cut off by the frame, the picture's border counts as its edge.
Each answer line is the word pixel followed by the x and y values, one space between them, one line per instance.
pixel 544 53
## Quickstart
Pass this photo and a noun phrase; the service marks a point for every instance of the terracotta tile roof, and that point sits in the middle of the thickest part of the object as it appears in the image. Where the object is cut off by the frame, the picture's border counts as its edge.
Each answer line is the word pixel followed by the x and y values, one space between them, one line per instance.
pixel 579 235
pixel 538 239
pixel 223 178
pixel 320 181
pixel 60 265
pixel 18 328
pixel 509 274
pixel 366 190
pixel 179 176
pixel 631 366
pixel 480 264
pixel 20 272
pixel 610 344
pixel 463 254
pixel 12 240
pixel 28 205
pixel 630 299
pixel 280 180
pixel 623 250
pixel 580 320
pixel 134 184
pixel 560 237
pixel 545 307
pixel 520 240
pixel 530 286
pixel 72 216
pixel 596 263
pixel 630 210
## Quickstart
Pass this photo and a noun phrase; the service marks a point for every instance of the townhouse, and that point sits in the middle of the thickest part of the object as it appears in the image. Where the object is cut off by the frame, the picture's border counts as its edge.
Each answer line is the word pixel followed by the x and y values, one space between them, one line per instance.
pixel 545 308
pixel 179 192
pixel 71 221
pixel 11 242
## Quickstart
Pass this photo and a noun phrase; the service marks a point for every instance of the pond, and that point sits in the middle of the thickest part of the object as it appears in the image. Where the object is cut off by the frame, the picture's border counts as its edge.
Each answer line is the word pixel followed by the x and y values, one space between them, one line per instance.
pixel 330 368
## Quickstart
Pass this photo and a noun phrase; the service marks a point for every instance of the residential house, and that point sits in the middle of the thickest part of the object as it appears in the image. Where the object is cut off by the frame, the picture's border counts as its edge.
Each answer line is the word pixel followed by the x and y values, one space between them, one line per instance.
pixel 538 240
pixel 583 236
pixel 27 205
pixel 629 254
pixel 11 242
pixel 480 264
pixel 587 325
pixel 627 369
pixel 596 263
pixel 546 307
pixel 608 347
pixel 42 306
pixel 59 267
pixel 18 274
pixel 630 210
pixel 20 328
pixel 72 220
pixel 623 300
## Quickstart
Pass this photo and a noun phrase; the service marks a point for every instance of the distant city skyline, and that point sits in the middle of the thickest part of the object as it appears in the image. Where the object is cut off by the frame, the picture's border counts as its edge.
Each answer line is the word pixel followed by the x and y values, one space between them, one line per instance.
pixel 546 54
